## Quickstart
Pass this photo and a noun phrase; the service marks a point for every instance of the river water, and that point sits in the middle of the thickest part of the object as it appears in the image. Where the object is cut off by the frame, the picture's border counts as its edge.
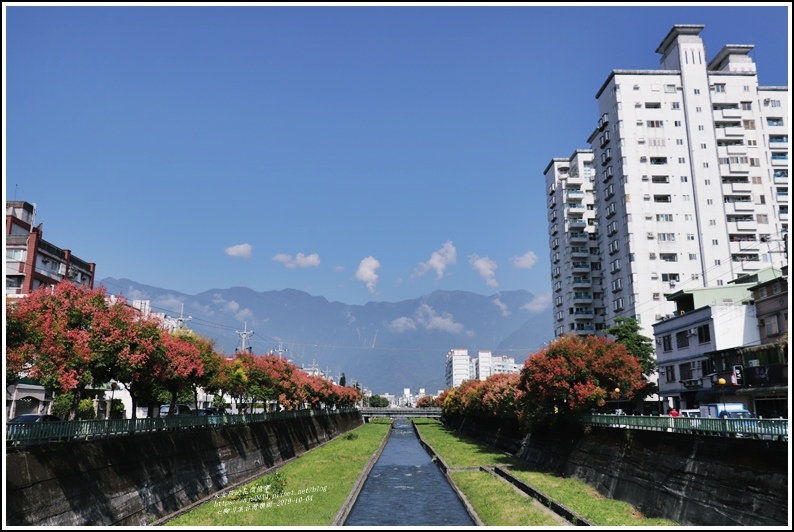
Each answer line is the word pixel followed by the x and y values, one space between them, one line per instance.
pixel 405 488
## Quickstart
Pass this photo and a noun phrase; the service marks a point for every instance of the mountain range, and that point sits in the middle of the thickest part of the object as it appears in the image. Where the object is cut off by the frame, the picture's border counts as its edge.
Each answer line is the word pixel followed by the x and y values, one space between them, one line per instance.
pixel 385 347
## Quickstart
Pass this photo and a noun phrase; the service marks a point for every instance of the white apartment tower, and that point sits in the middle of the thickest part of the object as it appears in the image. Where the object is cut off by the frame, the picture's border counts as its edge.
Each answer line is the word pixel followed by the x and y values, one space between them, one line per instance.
pixel 690 187
pixel 457 367
pixel 573 241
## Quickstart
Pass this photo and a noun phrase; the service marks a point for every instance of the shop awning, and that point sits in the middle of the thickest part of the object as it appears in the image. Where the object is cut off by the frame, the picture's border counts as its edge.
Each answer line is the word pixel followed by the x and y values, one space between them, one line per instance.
pixel 766 390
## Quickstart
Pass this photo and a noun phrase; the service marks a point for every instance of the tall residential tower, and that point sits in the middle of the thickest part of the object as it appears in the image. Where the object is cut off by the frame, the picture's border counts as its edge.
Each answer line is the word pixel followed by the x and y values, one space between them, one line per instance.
pixel 686 186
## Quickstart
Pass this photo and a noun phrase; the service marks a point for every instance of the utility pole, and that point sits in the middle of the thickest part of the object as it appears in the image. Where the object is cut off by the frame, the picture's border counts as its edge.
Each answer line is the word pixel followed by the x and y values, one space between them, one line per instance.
pixel 245 335
pixel 180 322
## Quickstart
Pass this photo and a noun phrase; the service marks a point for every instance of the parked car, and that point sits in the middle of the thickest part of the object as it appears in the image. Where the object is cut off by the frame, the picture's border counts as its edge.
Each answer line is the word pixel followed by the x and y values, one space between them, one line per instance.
pixel 35 418
pixel 179 410
pixel 207 412
pixel 30 428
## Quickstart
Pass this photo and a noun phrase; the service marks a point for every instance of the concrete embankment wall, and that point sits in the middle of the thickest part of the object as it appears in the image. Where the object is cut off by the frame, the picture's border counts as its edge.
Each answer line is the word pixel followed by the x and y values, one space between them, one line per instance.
pixel 690 479
pixel 136 480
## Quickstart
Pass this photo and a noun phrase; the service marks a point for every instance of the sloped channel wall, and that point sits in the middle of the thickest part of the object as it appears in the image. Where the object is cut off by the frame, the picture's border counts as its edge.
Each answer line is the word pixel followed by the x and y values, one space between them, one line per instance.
pixel 690 479
pixel 139 479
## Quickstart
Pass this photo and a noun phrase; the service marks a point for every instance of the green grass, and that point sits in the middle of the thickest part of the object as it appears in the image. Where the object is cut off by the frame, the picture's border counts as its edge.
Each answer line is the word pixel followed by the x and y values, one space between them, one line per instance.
pixel 316 486
pixel 497 503
pixel 459 451
pixel 586 501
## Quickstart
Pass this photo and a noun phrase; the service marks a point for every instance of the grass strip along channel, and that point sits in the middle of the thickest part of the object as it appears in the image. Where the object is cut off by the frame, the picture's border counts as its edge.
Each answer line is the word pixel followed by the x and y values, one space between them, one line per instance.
pixel 503 506
pixel 307 491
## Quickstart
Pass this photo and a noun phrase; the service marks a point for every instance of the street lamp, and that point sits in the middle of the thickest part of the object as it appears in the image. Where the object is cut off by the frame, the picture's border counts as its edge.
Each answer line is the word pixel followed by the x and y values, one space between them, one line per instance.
pixel 617 394
pixel 721 382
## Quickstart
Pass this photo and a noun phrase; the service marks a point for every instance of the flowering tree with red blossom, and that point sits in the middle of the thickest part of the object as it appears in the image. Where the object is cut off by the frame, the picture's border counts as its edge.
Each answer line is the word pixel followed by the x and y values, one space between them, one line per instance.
pixel 499 395
pixel 574 375
pixel 68 337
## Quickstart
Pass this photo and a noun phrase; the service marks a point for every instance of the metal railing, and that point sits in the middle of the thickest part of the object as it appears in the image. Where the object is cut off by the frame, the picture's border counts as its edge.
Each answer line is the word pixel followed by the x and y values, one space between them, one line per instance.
pixel 759 428
pixel 401 412
pixel 57 431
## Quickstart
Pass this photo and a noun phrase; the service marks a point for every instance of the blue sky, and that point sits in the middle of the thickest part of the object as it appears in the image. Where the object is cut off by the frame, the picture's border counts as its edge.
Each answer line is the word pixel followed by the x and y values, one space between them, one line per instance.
pixel 361 153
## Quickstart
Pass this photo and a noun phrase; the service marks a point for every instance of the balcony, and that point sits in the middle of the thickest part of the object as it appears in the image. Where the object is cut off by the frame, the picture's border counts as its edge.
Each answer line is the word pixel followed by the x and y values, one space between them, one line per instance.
pixel 728 114
pixel 577 222
pixel 580 252
pixel 583 315
pixel 578 236
pixel 580 267
pixel 739 207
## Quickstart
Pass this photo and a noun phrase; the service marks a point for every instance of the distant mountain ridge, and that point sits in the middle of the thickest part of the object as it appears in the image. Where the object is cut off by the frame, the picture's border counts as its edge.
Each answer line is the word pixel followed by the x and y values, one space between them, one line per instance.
pixel 384 346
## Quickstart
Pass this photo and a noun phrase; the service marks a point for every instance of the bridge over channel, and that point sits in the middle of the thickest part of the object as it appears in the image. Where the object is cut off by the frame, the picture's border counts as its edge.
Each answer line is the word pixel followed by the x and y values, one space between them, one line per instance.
pixel 370 412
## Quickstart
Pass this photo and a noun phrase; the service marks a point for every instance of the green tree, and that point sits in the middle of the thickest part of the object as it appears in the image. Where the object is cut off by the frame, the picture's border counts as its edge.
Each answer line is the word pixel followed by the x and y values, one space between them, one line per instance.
pixel 376 401
pixel 626 332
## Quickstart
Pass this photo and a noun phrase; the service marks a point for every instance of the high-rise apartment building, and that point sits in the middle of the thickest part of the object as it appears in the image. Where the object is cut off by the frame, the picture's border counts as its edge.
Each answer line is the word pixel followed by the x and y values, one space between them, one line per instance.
pixel 685 186
pixel 457 367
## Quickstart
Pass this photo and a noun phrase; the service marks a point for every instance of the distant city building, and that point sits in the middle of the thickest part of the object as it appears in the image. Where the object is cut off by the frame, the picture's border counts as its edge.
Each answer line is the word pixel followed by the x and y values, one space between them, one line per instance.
pixel 31 261
pixel 685 186
pixel 457 367
pixel 460 367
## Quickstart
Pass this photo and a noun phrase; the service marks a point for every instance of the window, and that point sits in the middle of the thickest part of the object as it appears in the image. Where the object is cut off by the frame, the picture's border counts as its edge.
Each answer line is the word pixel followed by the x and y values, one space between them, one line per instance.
pixel 681 160
pixel 697 91
pixel 700 128
pixel 748 124
pixel 653 105
pixel 704 334
pixel 660 179
pixel 747 106
pixel 658 160
pixel 668 257
pixel 668 277
pixel 664 217
pixel 669 88
pixel 776 121
pixel 719 87
pixel 662 198
pixel 690 236
pixel 693 256
pixel 15 254
pixel 681 339
pixel 684 178
pixel 677 123
pixel 698 109
pixel 653 123
pixel 667 342
pixel 703 145
pixel 772 326
pixel 669 371
pixel 675 105
pixel 679 142
pixel 666 237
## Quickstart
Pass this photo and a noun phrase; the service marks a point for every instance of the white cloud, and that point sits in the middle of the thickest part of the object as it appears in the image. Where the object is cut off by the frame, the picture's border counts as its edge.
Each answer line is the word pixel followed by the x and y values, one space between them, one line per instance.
pixel 402 324
pixel 439 260
pixel 239 250
pixel 300 260
pixel 486 268
pixel 232 307
pixel 367 273
pixel 502 307
pixel 526 261
pixel 539 303
pixel 427 317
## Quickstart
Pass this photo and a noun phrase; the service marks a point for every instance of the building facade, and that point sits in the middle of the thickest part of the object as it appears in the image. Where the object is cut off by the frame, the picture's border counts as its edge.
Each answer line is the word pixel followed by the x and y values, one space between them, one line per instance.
pixel 690 187
pixel 460 367
pixel 31 261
